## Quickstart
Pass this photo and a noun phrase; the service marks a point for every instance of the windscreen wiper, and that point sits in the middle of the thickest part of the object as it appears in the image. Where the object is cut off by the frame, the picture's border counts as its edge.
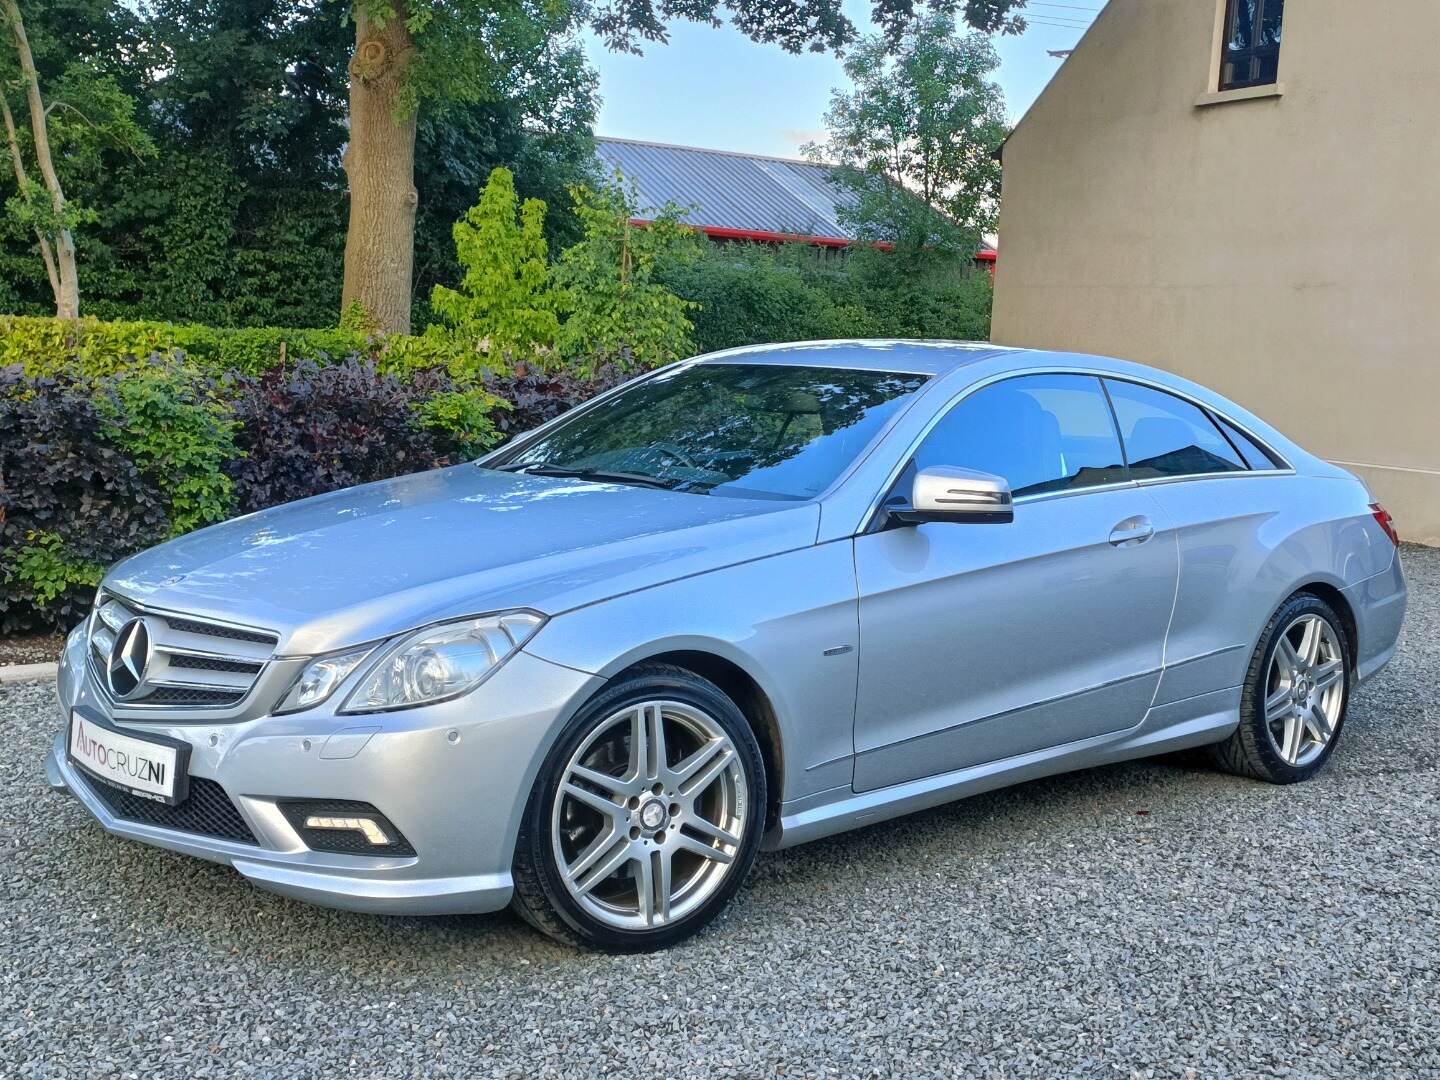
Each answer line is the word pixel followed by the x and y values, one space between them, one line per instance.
pixel 599 475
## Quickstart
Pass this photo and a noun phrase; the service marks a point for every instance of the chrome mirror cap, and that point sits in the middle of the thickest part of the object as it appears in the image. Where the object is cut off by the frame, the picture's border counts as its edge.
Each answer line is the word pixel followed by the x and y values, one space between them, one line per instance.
pixel 946 493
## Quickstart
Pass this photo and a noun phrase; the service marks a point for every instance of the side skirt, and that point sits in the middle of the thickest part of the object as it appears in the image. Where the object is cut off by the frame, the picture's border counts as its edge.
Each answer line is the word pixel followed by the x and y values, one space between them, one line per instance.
pixel 1177 725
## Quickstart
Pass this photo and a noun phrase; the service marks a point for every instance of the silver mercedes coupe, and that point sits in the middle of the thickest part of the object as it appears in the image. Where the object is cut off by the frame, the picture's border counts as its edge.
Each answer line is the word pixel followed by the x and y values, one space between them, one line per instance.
pixel 747 600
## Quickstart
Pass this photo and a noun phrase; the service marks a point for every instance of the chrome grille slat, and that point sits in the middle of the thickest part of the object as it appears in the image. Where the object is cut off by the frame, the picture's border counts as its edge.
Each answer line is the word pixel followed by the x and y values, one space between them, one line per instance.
pixel 220 630
pixel 171 640
pixel 208 680
pixel 114 615
pixel 211 662
pixel 193 664
pixel 102 641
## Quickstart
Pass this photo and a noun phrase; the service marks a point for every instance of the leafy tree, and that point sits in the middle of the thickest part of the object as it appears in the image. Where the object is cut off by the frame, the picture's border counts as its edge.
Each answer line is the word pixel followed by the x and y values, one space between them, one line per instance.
pixel 916 138
pixel 40 205
pixel 503 303
pixel 609 290
pixel 407 52
pixel 81 52
pixel 239 216
pixel 537 126
pixel 412 52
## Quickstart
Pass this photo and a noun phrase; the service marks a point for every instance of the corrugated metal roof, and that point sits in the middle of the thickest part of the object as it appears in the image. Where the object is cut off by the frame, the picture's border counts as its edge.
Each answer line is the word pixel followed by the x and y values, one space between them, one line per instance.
pixel 733 191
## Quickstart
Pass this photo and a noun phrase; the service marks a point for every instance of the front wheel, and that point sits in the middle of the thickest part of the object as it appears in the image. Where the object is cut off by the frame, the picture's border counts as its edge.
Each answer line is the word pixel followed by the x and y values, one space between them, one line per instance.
pixel 1296 692
pixel 645 817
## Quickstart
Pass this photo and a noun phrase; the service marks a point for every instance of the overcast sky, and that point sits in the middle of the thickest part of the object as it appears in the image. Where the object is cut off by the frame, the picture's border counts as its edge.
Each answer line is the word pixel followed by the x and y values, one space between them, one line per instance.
pixel 716 88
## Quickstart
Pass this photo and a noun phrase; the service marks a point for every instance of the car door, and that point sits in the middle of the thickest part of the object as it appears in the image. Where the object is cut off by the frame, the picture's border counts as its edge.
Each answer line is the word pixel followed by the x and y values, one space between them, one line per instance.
pixel 1216 486
pixel 980 642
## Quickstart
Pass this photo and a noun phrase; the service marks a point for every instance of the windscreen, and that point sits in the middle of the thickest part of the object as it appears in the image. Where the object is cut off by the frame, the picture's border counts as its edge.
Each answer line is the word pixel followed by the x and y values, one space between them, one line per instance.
pixel 744 430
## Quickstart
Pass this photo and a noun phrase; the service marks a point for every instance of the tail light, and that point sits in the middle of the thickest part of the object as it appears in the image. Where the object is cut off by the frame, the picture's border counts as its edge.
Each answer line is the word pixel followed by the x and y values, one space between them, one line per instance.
pixel 1386 522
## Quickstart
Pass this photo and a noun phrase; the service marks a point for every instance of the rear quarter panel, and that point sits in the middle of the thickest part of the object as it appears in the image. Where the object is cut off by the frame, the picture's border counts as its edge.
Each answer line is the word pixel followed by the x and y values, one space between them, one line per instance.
pixel 1245 544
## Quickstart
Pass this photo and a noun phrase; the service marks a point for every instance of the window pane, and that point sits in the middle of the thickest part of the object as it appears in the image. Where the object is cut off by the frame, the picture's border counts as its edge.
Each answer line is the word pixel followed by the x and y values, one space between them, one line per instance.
pixel 743 430
pixel 1240 27
pixel 1251 55
pixel 1040 432
pixel 1166 436
pixel 1270 23
pixel 1256 456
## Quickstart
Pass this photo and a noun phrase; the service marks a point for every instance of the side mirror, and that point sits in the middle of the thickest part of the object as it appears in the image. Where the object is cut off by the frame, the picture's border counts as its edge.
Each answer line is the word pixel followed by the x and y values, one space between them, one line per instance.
pixel 943 493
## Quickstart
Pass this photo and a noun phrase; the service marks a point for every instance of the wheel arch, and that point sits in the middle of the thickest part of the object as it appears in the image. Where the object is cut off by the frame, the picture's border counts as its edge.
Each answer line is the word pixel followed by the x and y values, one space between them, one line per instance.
pixel 741 687
pixel 1336 598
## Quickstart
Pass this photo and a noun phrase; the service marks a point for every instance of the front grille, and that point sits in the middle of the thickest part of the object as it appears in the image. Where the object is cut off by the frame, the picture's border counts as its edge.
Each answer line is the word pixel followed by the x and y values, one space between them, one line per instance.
pixel 207 811
pixel 189 662
pixel 211 663
pixel 191 695
pixel 232 633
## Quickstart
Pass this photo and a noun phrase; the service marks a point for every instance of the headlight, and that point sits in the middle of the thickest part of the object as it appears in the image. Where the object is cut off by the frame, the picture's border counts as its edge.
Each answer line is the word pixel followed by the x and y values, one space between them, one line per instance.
pixel 319 680
pixel 442 662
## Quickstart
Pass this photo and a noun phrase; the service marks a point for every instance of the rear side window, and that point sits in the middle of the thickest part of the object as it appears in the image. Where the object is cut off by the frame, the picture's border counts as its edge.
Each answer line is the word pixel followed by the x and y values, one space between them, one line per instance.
pixel 1167 436
pixel 1255 455
pixel 1040 432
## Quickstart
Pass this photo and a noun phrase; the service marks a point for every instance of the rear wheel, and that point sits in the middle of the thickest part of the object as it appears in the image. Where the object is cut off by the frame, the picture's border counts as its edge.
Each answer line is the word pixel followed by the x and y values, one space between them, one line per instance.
pixel 645 817
pixel 1296 692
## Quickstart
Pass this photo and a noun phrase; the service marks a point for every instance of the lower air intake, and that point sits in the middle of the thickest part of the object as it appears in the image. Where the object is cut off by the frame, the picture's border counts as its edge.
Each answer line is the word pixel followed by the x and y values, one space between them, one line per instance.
pixel 208 811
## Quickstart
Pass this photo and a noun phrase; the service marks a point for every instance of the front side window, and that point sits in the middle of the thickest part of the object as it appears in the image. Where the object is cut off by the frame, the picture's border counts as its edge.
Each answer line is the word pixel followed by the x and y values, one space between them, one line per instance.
pixel 1250 53
pixel 1042 433
pixel 765 431
pixel 1168 436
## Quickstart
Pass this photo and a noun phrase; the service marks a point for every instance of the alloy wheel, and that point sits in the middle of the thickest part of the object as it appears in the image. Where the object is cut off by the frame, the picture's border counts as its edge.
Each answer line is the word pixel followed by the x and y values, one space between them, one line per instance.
pixel 649 814
pixel 1305 690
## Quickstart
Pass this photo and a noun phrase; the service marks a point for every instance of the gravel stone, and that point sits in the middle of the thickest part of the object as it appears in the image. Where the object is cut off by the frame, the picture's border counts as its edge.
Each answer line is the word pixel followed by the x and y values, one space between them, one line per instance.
pixel 1152 919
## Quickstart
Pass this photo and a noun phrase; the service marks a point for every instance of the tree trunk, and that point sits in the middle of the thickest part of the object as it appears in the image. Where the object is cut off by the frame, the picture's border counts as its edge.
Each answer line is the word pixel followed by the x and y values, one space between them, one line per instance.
pixel 22 180
pixel 67 296
pixel 380 165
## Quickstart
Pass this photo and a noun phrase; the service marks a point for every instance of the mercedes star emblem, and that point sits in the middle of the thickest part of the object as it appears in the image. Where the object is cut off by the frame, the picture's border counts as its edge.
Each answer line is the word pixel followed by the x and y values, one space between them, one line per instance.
pixel 128 658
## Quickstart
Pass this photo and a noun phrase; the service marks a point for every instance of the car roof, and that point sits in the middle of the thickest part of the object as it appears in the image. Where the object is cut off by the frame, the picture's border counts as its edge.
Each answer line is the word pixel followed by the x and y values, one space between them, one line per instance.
pixel 940 359
pixel 911 357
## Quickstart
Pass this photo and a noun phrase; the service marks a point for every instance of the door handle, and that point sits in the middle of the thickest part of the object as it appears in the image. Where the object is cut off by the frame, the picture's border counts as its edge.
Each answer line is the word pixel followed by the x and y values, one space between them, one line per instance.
pixel 1132 531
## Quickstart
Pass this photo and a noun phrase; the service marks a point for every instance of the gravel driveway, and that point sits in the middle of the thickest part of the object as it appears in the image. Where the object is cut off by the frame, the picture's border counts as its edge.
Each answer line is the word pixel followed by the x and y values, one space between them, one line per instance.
pixel 1144 919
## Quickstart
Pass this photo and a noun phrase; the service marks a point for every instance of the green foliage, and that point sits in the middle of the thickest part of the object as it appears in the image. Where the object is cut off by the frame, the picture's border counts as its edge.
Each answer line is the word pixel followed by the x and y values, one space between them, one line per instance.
pixel 922 297
pixel 465 417
pixel 745 294
pixel 616 309
pixel 916 137
pixel 89 119
pixel 94 347
pixel 503 304
pixel 169 422
pixel 237 217
pixel 68 491
pixel 46 569
pixel 116 438
pixel 796 27
pixel 749 294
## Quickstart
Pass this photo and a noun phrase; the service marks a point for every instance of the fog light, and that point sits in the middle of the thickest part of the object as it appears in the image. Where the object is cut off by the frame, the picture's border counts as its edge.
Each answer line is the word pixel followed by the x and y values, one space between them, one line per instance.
pixel 367 827
pixel 345 827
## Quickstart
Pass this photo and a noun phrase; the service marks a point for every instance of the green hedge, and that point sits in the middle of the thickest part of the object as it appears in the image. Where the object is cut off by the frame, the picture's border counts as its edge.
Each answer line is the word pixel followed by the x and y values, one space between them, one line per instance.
pixel 750 294
pixel 94 347
pixel 115 436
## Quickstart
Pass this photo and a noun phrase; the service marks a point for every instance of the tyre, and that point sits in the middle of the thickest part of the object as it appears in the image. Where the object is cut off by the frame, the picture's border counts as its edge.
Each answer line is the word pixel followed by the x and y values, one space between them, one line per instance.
pixel 1296 692
pixel 645 817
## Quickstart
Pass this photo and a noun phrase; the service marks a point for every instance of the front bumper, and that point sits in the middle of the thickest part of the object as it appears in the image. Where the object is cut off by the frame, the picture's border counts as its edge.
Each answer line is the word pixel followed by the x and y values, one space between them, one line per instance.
pixel 452 777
